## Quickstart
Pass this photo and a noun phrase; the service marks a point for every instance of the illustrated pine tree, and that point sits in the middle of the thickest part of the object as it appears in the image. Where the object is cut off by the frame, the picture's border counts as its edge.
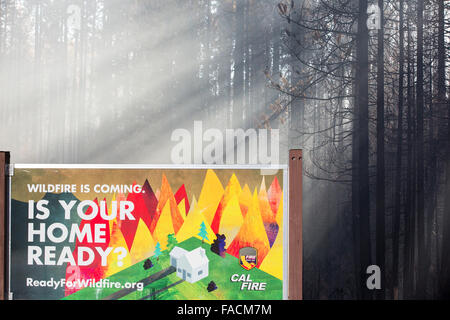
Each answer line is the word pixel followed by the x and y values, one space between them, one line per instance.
pixel 203 233
pixel 171 241
pixel 158 251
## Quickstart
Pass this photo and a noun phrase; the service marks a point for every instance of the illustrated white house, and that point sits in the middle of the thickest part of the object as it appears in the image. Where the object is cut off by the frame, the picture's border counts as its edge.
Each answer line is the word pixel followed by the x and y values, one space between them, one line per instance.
pixel 191 266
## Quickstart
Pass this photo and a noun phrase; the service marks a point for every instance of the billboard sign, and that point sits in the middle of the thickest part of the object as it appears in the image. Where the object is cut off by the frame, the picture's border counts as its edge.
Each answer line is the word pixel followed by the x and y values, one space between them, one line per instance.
pixel 147 232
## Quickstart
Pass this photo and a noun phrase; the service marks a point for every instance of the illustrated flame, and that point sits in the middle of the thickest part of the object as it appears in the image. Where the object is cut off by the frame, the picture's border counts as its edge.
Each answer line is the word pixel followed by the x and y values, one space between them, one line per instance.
pixel 246 219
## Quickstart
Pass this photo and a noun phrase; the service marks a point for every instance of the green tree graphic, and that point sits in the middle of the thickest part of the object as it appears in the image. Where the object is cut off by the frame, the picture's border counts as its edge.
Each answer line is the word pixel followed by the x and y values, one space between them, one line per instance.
pixel 171 241
pixel 157 251
pixel 203 234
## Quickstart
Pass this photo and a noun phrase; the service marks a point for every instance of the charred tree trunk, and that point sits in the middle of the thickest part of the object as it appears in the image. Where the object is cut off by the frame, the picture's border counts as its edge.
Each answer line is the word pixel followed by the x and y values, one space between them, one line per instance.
pixel 398 160
pixel 444 272
pixel 420 154
pixel 362 132
pixel 380 178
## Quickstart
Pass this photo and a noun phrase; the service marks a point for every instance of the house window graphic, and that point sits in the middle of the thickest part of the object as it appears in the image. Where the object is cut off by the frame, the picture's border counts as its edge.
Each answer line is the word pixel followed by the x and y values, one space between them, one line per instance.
pixel 191 266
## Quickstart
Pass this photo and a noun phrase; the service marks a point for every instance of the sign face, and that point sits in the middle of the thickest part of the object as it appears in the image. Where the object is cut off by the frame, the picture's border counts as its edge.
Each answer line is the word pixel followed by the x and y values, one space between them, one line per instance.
pixel 147 233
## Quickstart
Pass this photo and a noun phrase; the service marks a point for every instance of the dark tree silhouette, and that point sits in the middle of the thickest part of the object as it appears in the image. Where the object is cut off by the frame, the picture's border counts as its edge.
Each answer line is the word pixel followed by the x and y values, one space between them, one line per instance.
pixel 211 286
pixel 218 245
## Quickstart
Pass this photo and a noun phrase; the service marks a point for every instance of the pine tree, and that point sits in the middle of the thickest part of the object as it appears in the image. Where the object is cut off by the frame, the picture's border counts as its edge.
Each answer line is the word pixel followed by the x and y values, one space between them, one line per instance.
pixel 203 233
pixel 157 252
pixel 171 241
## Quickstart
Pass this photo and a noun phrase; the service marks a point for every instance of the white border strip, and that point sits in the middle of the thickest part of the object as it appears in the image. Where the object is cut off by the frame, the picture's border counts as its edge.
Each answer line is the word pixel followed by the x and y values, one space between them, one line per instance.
pixel 149 166
pixel 285 234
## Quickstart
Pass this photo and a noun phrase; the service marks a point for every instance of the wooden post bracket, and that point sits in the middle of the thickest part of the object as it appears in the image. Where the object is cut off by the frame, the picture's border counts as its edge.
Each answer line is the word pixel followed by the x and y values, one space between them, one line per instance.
pixel 4 165
pixel 295 225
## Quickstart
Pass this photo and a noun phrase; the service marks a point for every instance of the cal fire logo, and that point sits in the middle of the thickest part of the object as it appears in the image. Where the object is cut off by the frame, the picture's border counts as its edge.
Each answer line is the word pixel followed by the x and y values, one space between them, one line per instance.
pixel 248 258
pixel 246 283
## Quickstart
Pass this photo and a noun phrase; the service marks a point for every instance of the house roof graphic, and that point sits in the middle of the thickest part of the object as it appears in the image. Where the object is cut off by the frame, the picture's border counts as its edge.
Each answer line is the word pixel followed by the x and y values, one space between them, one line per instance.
pixel 177 252
pixel 194 258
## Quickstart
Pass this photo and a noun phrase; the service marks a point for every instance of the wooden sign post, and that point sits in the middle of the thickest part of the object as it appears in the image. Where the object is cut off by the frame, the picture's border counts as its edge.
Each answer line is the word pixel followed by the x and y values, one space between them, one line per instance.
pixel 4 161
pixel 295 225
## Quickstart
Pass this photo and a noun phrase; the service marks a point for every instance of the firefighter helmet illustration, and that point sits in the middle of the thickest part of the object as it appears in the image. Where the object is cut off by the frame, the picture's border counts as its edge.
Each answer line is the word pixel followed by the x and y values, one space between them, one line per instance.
pixel 248 257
